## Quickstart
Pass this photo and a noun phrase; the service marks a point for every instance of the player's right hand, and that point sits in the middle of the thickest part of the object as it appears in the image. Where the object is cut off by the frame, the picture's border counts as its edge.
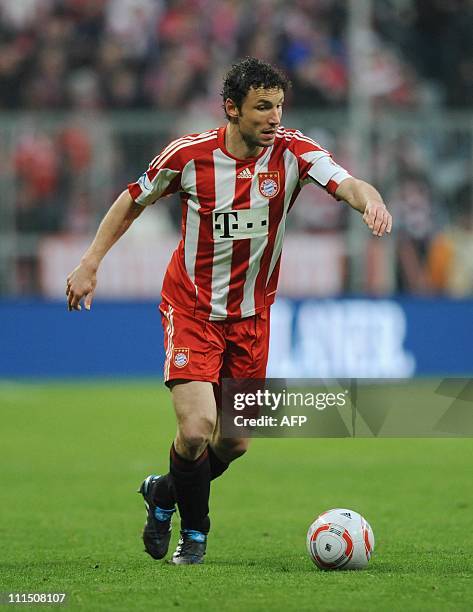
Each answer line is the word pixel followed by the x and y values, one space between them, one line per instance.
pixel 81 284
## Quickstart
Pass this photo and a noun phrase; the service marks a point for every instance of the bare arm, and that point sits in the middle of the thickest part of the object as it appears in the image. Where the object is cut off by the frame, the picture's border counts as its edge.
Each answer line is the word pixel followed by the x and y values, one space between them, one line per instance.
pixel 82 280
pixel 366 199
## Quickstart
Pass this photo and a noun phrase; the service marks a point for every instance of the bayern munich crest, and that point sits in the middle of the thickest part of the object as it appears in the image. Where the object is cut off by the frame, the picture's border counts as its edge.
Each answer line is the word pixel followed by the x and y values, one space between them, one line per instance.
pixel 180 357
pixel 268 184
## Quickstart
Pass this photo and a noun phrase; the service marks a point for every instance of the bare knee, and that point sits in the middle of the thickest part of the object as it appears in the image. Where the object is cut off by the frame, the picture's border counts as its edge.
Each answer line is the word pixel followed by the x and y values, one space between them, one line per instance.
pixel 192 437
pixel 196 414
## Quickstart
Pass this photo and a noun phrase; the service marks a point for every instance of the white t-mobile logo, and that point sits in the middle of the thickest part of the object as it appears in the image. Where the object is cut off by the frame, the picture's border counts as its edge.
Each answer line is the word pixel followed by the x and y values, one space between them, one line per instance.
pixel 241 224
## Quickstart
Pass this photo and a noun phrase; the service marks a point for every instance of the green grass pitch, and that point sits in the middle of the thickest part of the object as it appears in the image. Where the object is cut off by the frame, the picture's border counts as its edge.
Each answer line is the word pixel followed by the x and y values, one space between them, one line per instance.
pixel 72 456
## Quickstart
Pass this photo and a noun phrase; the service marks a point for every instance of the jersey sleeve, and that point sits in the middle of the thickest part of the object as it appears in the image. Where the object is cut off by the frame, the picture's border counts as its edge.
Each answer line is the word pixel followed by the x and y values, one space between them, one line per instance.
pixel 316 164
pixel 162 178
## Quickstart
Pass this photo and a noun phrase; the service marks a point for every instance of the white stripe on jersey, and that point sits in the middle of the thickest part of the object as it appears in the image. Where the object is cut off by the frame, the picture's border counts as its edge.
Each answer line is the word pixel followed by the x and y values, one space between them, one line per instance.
pixel 152 190
pixel 183 145
pixel 323 169
pixel 192 221
pixel 292 177
pixel 175 143
pixel 225 179
pixel 170 334
pixel 257 245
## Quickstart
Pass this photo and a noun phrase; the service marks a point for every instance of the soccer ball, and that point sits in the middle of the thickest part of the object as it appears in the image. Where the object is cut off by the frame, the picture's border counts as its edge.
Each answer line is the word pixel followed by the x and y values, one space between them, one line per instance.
pixel 340 539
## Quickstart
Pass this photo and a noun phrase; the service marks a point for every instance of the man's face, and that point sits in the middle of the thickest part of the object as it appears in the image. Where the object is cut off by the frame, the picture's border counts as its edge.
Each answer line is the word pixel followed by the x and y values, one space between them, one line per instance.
pixel 260 116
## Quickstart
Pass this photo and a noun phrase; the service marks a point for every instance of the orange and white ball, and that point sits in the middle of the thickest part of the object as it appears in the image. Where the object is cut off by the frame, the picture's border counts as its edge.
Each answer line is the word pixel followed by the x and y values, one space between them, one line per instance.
pixel 340 539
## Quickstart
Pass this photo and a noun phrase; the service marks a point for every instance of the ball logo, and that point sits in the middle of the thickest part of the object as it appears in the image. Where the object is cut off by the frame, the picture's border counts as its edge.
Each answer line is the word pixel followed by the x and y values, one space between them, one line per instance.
pixel 181 357
pixel 268 184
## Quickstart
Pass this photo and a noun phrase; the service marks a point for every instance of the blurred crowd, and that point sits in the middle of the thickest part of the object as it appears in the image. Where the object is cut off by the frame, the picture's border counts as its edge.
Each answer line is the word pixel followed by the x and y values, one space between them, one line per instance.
pixel 88 57
pixel 114 54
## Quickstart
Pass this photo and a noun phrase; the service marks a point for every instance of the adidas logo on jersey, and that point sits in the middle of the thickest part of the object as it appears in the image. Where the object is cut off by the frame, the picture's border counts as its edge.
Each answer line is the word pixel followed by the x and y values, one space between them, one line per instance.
pixel 246 173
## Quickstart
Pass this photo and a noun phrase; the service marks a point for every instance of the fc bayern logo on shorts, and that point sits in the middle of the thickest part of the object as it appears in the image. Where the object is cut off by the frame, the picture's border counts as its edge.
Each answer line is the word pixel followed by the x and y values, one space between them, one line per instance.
pixel 180 357
pixel 268 184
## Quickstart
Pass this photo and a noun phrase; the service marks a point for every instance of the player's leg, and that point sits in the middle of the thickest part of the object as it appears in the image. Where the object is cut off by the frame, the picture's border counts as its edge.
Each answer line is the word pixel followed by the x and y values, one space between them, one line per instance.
pixel 223 452
pixel 199 440
pixel 226 450
pixel 202 360
pixel 198 455
pixel 188 480
pixel 193 359
pixel 196 415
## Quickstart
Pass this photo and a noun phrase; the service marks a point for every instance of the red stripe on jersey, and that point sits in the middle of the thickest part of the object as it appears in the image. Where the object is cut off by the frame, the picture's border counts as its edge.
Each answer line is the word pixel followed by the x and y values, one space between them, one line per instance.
pixel 276 210
pixel 151 174
pixel 205 183
pixel 134 190
pixel 313 145
pixel 241 248
pixel 332 187
pixel 173 186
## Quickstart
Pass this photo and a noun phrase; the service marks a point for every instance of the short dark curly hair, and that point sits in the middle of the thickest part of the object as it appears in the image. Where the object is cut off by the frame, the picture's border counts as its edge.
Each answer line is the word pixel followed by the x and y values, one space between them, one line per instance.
pixel 251 72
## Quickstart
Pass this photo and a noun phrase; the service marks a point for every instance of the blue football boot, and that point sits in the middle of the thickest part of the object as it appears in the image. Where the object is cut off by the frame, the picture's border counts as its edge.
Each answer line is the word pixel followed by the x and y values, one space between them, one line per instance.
pixel 157 529
pixel 190 548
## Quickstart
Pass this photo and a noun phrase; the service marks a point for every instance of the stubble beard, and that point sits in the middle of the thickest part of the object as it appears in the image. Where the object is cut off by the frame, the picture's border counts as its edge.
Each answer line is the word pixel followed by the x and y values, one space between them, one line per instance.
pixel 252 143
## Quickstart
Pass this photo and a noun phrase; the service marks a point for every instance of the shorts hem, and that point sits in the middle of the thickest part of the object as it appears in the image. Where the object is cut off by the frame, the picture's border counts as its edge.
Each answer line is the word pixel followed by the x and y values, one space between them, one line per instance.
pixel 189 377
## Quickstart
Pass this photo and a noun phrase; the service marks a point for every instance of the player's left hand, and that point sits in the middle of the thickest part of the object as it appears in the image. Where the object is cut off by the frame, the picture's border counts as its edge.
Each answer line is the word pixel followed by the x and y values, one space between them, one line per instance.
pixel 377 218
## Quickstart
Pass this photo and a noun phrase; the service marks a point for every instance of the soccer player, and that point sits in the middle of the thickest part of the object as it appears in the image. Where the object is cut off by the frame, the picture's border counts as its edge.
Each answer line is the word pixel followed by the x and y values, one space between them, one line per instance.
pixel 237 185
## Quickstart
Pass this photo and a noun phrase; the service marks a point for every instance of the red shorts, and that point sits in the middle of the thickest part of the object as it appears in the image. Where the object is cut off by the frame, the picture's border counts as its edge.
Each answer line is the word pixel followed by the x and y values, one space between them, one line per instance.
pixel 210 350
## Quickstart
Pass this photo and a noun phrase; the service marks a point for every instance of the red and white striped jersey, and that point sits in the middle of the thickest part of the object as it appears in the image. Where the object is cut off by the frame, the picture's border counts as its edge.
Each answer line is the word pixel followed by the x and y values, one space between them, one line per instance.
pixel 234 212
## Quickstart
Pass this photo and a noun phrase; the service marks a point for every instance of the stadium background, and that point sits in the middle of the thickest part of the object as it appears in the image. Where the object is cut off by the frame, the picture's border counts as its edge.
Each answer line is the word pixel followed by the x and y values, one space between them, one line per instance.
pixel 90 90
